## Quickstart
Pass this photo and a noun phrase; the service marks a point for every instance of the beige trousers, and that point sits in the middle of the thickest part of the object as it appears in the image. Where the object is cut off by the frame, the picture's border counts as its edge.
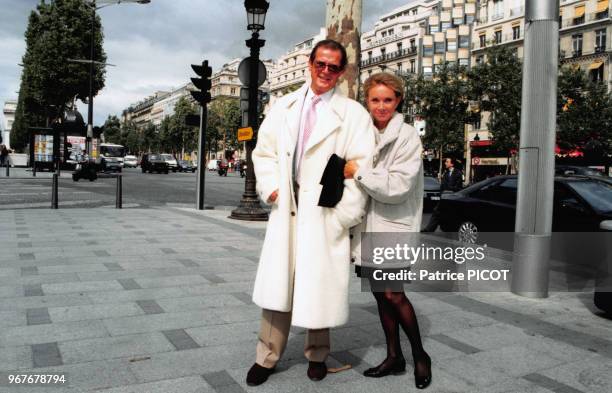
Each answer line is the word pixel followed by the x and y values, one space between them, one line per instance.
pixel 273 337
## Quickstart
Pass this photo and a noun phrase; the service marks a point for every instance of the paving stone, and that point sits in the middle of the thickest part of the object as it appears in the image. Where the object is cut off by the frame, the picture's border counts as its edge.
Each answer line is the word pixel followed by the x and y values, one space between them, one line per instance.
pixel 12 318
pixel 550 384
pixel 24 245
pixel 159 322
pixel 15 358
pixel 188 263
pixel 29 271
pixel 46 355
pixel 88 286
pixel 150 307
pixel 113 267
pixel 213 278
pixel 22 303
pixel 134 295
pixel 38 316
pixel 91 242
pixel 180 385
pixel 180 339
pixel 199 302
pixel 26 256
pixel 105 348
pixel 22 236
pixel 456 344
pixel 101 253
pixel 33 290
pixel 129 284
pixel 93 311
pixel 38 334
pixel 171 281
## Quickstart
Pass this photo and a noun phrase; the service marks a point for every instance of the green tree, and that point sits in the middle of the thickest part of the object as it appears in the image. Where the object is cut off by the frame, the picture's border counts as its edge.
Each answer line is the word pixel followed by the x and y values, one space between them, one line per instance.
pixel 584 110
pixel 112 130
pixel 184 138
pixel 57 31
pixel 495 85
pixel 132 137
pixel 442 102
pixel 223 122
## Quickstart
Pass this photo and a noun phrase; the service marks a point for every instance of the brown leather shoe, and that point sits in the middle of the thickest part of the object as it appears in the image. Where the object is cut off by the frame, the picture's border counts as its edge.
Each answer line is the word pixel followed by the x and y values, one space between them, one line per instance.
pixel 258 375
pixel 317 370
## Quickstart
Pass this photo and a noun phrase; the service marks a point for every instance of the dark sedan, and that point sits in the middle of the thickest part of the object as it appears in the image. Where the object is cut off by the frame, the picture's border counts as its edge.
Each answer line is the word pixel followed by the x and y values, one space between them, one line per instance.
pixel 431 193
pixel 580 204
pixel 186 166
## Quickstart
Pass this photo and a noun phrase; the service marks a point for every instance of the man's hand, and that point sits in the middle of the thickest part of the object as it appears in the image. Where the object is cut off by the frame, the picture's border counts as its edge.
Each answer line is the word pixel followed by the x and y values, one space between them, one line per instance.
pixel 350 168
pixel 273 196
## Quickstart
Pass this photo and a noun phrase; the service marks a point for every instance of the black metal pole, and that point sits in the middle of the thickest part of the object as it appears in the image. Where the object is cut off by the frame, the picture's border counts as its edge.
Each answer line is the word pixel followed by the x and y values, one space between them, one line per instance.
pixel 250 208
pixel 119 193
pixel 54 191
pixel 201 160
pixel 89 136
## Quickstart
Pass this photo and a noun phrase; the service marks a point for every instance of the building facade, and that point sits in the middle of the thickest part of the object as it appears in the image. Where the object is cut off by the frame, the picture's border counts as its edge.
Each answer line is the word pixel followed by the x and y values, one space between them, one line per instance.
pixel 291 69
pixel 10 107
pixel 394 42
pixel 225 82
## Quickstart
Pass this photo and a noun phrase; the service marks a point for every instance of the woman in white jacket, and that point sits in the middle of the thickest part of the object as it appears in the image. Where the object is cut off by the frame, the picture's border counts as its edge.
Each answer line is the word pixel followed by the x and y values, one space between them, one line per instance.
pixel 394 181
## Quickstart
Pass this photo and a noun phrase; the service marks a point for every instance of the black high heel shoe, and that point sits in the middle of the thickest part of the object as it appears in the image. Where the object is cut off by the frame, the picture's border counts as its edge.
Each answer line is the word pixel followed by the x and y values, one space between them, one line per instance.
pixel 394 367
pixel 422 381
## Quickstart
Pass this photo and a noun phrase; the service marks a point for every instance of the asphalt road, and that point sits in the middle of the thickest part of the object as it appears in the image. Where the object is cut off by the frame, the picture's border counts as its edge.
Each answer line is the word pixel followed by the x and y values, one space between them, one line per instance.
pixel 21 190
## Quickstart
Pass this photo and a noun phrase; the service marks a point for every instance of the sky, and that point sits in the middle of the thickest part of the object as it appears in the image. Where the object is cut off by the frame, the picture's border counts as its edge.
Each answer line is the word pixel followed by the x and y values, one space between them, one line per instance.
pixel 153 45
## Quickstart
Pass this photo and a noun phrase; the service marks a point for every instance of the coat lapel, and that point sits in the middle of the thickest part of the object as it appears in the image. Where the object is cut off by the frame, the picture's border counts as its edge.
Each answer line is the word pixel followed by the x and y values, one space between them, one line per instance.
pixel 329 121
pixel 294 108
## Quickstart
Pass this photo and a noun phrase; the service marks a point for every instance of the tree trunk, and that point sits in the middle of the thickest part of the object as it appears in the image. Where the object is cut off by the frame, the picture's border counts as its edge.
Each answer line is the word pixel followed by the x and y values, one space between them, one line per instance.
pixel 343 22
pixel 440 162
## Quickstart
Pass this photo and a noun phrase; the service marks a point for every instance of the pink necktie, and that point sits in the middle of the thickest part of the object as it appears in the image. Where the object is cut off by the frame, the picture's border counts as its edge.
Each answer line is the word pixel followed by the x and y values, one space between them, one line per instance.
pixel 309 125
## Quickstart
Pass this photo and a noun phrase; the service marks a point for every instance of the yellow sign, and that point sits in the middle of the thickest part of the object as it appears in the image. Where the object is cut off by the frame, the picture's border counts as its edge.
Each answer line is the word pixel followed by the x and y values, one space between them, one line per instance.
pixel 245 134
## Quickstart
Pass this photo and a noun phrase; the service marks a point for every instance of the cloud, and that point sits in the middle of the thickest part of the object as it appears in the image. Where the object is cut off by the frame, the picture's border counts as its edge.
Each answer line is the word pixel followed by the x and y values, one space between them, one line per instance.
pixel 153 45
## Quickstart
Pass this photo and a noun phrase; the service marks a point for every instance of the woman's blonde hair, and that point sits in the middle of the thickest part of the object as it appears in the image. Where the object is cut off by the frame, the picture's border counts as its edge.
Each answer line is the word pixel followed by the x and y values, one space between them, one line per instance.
pixel 384 78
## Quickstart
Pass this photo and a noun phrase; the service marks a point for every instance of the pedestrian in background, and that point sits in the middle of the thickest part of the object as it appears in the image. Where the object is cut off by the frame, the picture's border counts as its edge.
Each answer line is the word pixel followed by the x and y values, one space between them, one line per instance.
pixel 451 181
pixel 303 273
pixel 4 155
pixel 394 182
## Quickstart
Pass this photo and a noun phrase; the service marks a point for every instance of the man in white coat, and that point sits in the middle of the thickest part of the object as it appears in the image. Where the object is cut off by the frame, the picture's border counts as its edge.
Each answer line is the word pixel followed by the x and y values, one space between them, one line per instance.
pixel 303 272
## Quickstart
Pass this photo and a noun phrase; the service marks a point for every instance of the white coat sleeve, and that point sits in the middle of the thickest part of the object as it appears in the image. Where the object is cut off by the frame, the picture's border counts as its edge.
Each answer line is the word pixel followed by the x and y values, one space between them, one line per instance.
pixel 351 208
pixel 393 185
pixel 265 158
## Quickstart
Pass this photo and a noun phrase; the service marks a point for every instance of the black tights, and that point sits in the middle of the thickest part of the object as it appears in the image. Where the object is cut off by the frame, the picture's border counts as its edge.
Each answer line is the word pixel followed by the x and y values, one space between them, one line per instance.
pixel 394 310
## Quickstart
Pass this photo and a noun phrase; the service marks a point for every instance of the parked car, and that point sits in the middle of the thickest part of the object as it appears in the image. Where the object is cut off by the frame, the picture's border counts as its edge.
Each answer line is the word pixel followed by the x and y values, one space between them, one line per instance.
pixel 577 170
pixel 153 163
pixel 186 166
pixel 580 204
pixel 431 194
pixel 130 162
pixel 171 161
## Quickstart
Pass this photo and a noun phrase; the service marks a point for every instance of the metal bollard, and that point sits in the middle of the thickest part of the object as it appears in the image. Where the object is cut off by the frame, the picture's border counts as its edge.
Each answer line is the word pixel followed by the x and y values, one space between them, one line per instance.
pixel 8 169
pixel 119 193
pixel 54 191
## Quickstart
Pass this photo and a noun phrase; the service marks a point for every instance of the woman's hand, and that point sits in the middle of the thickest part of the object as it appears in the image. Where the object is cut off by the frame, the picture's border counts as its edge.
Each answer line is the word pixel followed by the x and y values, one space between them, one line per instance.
pixel 350 168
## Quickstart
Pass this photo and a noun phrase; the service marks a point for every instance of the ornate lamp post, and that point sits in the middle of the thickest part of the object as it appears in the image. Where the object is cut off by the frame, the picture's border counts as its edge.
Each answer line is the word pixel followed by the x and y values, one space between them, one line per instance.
pixel 250 208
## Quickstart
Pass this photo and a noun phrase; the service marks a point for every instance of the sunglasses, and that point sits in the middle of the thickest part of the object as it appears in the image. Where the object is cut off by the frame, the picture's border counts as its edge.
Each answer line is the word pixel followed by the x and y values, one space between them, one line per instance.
pixel 321 65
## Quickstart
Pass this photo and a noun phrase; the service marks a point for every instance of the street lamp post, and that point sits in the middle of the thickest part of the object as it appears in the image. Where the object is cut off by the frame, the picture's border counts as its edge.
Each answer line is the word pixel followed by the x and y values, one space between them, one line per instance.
pixel 250 208
pixel 95 7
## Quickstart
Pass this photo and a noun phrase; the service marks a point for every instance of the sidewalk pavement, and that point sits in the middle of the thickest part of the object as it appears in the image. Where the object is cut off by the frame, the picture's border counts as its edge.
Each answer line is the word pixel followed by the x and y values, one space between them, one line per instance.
pixel 151 300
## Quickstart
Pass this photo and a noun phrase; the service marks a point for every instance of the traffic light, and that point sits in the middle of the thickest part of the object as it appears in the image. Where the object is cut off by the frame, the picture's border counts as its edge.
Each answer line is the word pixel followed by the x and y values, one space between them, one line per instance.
pixel 203 84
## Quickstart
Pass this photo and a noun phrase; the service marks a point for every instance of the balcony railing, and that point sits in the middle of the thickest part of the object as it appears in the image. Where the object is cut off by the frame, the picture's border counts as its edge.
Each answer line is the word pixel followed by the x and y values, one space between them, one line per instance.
pixel 389 56
pixel 504 40
pixel 592 17
pixel 569 55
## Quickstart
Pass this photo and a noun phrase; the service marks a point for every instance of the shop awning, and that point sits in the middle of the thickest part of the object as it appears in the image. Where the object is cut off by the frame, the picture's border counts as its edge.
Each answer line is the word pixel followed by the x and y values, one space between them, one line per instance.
pixel 579 11
pixel 595 65
pixel 602 5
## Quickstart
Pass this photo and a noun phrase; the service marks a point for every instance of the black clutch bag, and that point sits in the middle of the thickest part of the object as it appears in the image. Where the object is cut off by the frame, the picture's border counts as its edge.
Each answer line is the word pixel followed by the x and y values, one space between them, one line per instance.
pixel 332 182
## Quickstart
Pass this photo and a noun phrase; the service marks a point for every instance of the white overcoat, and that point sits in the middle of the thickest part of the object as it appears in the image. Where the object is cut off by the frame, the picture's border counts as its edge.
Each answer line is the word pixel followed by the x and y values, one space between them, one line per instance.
pixel 394 181
pixel 305 260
